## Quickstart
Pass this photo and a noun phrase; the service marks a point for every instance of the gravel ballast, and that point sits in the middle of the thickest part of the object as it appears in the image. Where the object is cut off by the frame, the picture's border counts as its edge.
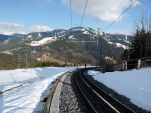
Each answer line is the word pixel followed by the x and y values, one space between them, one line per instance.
pixel 70 99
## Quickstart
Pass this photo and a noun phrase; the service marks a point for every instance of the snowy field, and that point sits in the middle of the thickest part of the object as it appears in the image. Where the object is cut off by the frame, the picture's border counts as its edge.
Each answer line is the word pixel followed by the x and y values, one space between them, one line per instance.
pixel 22 89
pixel 135 84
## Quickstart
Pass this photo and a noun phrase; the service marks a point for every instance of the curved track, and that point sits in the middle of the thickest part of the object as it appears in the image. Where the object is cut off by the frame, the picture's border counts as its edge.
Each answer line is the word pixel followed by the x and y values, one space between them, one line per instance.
pixel 97 100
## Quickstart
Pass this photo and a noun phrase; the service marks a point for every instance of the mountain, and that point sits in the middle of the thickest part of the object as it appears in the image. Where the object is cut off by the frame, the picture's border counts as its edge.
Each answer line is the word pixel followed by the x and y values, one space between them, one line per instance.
pixel 77 45
pixel 6 37
pixel 119 38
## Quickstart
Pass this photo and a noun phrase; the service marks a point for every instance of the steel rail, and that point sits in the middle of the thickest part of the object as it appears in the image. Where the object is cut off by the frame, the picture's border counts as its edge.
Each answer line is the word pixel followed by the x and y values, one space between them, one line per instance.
pixel 98 100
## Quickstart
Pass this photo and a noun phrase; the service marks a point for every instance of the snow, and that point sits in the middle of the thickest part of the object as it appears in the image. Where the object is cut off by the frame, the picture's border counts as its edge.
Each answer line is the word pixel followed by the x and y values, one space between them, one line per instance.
pixel 29 36
pixel 24 89
pixel 133 84
pixel 71 37
pixel 85 32
pixel 126 41
pixel 7 52
pixel 43 41
pixel 121 45
pixel 109 42
pixel 78 29
pixel 39 35
pixel 118 45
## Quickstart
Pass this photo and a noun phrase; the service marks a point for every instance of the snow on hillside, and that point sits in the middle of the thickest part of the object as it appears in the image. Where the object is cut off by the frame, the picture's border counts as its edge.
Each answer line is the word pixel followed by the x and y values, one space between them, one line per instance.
pixel 22 90
pixel 39 35
pixel 109 42
pixel 7 52
pixel 43 41
pixel 29 36
pixel 78 29
pixel 121 45
pixel 71 37
pixel 85 32
pixel 118 45
pixel 133 84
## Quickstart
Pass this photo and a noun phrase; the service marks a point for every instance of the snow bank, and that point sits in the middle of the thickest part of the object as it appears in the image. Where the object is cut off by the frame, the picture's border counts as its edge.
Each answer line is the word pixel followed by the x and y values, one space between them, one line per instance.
pixel 28 86
pixel 135 84
pixel 20 75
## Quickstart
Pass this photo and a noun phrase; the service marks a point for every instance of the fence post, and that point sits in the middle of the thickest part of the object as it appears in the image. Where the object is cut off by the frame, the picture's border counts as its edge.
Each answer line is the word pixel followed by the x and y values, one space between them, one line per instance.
pixel 124 65
pixel 139 62
pixel 85 66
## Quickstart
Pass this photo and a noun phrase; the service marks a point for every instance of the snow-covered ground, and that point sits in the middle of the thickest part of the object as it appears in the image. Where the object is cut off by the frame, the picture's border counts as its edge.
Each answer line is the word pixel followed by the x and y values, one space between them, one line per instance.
pixel 135 84
pixel 28 86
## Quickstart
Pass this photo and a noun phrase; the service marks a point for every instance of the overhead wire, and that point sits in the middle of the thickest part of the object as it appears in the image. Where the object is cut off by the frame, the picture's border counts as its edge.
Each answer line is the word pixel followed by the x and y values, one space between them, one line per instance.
pixel 127 9
pixel 70 15
pixel 84 12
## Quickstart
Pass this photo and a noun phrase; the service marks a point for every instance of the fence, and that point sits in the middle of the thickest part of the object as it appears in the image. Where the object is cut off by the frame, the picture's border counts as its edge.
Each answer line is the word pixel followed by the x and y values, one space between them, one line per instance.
pixel 136 63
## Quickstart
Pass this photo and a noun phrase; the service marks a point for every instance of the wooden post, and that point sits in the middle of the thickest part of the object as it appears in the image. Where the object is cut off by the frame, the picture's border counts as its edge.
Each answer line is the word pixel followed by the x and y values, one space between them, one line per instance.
pixel 139 62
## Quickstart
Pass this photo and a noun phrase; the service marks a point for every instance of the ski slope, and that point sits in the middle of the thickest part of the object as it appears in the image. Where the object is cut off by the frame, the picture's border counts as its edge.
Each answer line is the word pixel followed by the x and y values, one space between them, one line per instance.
pixel 24 89
pixel 135 84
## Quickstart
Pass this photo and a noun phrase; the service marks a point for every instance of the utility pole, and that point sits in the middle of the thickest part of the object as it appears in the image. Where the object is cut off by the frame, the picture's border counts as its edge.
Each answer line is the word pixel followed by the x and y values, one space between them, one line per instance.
pixel 19 61
pixel 26 62
pixel 99 44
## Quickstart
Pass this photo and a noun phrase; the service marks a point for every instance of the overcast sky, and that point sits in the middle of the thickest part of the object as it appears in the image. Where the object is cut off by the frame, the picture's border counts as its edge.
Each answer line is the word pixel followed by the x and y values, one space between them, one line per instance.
pixel 24 16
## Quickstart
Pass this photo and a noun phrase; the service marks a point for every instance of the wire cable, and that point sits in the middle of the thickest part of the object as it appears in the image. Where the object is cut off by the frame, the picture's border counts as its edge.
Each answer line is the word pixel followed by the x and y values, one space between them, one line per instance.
pixel 84 12
pixel 70 7
pixel 127 9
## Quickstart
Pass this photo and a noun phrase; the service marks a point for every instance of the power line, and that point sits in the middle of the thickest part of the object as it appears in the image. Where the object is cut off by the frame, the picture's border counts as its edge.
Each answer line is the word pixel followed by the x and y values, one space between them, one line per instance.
pixel 84 11
pixel 70 6
pixel 127 9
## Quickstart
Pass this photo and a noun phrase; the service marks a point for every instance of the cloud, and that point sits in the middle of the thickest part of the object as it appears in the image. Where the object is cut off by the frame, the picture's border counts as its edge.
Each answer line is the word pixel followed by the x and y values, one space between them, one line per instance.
pixel 10 28
pixel 40 28
pixel 106 10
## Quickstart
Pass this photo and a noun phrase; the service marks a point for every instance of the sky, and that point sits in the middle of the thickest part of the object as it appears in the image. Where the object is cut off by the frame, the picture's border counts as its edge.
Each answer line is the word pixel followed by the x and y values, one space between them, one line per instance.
pixel 23 16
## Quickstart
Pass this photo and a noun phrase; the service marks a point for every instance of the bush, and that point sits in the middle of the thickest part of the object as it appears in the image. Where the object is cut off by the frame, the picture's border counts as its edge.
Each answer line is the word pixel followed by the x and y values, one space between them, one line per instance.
pixel 46 64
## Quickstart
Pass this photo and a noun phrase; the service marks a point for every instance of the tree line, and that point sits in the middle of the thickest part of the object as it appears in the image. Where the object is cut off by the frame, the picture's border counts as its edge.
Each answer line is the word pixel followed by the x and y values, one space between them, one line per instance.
pixel 141 45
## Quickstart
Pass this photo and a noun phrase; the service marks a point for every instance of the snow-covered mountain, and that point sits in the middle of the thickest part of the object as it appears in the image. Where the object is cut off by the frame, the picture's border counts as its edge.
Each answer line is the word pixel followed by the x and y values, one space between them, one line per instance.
pixel 76 41
pixel 75 33
pixel 6 37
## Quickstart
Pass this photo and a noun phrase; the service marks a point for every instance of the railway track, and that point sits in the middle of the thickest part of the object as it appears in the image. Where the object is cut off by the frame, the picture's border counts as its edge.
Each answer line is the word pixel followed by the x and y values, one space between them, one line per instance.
pixel 97 100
